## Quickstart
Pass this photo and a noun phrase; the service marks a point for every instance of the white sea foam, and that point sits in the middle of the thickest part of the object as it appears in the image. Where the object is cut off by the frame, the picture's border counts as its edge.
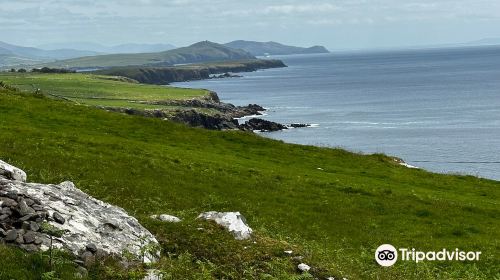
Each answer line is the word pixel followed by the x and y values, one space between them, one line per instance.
pixel 262 114
pixel 408 165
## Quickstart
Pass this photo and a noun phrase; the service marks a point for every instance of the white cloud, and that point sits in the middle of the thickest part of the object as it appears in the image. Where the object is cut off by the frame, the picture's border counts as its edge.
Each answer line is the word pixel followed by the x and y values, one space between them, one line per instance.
pixel 188 20
pixel 302 8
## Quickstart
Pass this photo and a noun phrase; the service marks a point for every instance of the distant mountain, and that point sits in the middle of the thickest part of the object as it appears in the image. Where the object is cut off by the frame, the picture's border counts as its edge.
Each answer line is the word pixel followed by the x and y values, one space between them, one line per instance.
pixel 35 53
pixel 273 48
pixel 5 51
pixel 98 48
pixel 200 52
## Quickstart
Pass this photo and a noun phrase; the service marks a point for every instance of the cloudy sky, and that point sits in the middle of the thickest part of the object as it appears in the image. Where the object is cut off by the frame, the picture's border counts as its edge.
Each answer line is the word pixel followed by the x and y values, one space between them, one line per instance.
pixel 337 24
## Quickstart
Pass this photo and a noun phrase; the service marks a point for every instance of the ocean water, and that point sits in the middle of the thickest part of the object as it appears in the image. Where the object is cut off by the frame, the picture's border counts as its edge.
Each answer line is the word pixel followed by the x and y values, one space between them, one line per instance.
pixel 438 109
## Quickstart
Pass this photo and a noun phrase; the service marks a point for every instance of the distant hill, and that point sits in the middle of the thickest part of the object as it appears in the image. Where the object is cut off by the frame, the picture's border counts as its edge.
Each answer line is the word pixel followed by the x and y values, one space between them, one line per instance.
pixel 35 53
pixel 273 48
pixel 200 52
pixel 98 48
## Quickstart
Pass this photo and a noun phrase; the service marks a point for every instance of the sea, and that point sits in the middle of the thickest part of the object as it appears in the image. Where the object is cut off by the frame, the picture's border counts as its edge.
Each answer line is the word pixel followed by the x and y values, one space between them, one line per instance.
pixel 437 109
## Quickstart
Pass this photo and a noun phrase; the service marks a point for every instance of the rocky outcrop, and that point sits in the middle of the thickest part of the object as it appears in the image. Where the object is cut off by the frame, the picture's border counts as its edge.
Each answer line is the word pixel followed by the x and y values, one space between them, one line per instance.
pixel 212 102
pixel 262 125
pixel 197 119
pixel 223 116
pixel 86 224
pixel 225 76
pixel 234 222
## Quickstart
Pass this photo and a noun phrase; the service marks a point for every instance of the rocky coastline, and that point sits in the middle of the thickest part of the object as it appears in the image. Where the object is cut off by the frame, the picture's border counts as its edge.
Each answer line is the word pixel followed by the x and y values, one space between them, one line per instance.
pixel 192 72
pixel 210 113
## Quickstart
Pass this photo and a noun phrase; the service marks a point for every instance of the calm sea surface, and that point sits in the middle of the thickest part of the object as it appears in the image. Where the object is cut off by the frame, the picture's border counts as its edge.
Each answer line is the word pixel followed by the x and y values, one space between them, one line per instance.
pixel 436 109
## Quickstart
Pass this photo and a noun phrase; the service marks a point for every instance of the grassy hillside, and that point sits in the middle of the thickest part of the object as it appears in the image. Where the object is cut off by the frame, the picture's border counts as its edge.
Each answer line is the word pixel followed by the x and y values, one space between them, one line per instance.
pixel 199 52
pixel 8 60
pixel 98 90
pixel 331 206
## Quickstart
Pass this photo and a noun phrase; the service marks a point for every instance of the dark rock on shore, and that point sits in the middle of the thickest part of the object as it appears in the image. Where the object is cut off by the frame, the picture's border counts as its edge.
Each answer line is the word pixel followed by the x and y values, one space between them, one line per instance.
pixel 225 75
pixel 262 125
pixel 299 125
pixel 223 117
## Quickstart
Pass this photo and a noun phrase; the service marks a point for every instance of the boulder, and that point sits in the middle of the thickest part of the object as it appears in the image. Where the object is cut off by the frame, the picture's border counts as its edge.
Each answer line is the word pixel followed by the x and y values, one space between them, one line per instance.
pixel 234 222
pixel 304 267
pixel 11 235
pixel 58 218
pixel 82 219
pixel 7 202
pixel 29 237
pixel 91 248
pixel 299 125
pixel 24 209
pixel 262 125
pixel 12 172
pixel 166 218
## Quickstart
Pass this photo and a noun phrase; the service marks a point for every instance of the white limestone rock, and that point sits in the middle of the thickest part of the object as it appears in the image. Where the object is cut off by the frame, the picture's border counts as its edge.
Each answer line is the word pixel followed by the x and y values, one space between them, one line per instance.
pixel 166 218
pixel 12 172
pixel 234 222
pixel 86 220
pixel 304 267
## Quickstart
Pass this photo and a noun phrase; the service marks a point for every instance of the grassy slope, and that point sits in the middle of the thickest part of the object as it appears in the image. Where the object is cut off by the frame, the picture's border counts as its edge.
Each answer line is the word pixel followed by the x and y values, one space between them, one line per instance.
pixel 199 52
pixel 98 90
pixel 338 215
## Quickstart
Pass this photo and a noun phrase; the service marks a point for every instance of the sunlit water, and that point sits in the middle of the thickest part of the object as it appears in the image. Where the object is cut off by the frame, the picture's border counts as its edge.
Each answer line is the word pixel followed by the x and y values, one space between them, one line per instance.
pixel 436 109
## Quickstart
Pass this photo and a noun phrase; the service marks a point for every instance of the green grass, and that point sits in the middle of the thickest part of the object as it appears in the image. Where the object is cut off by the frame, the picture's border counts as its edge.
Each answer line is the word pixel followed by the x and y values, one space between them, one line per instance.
pixel 335 217
pixel 99 90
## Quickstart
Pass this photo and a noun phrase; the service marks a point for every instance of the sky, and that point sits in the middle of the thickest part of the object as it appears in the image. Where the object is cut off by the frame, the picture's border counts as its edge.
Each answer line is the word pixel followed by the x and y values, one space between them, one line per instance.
pixel 336 24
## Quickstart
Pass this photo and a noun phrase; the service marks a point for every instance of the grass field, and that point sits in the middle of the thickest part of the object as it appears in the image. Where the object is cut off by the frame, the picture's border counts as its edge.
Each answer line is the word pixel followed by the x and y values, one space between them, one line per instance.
pixel 98 90
pixel 331 206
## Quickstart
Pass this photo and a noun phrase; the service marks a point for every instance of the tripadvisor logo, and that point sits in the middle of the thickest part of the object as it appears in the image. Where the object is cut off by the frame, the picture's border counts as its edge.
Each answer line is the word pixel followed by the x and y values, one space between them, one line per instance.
pixel 387 255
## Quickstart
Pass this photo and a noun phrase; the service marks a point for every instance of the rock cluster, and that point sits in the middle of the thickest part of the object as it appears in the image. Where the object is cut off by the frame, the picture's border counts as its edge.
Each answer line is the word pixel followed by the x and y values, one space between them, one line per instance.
pixel 224 76
pixel 86 223
pixel 262 125
pixel 20 219
pixel 225 117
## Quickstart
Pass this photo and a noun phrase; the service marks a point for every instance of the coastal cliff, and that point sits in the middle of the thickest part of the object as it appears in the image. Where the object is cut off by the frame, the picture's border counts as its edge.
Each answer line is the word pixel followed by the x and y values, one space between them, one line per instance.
pixel 166 75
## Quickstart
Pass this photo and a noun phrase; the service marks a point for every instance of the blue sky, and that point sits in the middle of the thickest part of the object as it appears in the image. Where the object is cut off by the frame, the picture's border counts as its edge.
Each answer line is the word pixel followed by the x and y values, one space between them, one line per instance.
pixel 337 24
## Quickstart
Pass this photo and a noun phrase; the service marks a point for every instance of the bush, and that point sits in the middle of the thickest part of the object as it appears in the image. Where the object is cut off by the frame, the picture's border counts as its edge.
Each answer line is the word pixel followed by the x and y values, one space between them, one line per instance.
pixel 52 70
